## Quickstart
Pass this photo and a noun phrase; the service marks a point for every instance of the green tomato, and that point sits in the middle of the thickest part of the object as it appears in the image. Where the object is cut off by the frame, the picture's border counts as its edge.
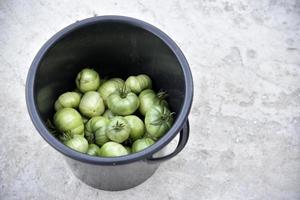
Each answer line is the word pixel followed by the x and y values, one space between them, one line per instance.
pixel 112 149
pixel 148 99
pixel 138 83
pixel 128 149
pixel 68 120
pixel 67 100
pixel 141 144
pixel 145 80
pixel 87 80
pixel 93 150
pixel 118 129
pixel 123 102
pixel 110 86
pixel 158 121
pixel 137 127
pixel 95 130
pixel 78 143
pixel 91 104
pixel 108 114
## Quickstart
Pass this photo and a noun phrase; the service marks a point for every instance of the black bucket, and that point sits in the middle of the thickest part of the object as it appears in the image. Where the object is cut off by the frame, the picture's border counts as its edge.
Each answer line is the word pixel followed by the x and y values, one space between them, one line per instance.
pixel 115 46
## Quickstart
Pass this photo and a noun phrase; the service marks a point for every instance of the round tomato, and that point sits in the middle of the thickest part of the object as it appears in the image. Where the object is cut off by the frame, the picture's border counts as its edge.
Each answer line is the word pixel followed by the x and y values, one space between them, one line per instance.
pixel 110 86
pixel 148 98
pixel 141 144
pixel 158 121
pixel 112 149
pixel 123 102
pixel 137 127
pixel 67 100
pixel 118 129
pixel 91 104
pixel 87 80
pixel 138 83
pixel 93 149
pixel 95 130
pixel 68 120
pixel 78 143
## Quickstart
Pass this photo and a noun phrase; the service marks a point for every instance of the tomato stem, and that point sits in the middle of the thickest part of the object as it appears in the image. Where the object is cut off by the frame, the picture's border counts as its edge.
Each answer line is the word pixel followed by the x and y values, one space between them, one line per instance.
pixel 123 92
pixel 90 138
pixel 163 118
pixel 65 136
pixel 161 95
pixel 52 128
pixel 118 126
pixel 167 117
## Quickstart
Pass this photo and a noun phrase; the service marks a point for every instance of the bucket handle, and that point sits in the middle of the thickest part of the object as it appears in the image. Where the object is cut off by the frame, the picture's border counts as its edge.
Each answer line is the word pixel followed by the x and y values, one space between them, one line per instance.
pixel 183 138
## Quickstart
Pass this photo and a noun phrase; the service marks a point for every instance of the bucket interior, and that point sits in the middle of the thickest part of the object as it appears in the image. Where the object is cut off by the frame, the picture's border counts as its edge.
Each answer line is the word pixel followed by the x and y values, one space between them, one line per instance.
pixel 114 49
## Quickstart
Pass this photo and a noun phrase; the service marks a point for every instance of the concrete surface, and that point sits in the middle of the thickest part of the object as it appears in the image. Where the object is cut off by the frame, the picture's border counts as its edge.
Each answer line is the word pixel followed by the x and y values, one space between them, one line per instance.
pixel 245 121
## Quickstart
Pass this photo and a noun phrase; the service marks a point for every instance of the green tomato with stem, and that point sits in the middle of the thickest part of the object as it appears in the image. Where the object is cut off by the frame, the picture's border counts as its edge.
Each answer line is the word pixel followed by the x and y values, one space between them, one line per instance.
pixel 68 120
pixel 118 129
pixel 158 121
pixel 92 150
pixel 123 102
pixel 95 130
pixel 141 144
pixel 137 127
pixel 148 98
pixel 67 100
pixel 78 143
pixel 138 83
pixel 112 149
pixel 87 80
pixel 91 104
pixel 110 86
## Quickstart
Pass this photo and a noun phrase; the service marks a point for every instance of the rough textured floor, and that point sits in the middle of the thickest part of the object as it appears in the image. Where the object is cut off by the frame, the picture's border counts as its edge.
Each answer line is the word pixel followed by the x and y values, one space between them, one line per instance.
pixel 245 120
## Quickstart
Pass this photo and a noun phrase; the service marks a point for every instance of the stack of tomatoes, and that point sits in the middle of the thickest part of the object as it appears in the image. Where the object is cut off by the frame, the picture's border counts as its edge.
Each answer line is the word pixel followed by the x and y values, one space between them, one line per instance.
pixel 111 117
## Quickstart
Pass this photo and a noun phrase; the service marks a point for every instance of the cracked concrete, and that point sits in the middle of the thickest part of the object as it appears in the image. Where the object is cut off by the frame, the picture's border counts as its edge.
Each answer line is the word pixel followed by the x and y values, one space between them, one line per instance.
pixel 245 120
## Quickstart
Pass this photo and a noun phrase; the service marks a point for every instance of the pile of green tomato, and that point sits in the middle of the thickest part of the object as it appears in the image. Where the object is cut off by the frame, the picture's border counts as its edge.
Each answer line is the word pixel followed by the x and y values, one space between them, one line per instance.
pixel 111 117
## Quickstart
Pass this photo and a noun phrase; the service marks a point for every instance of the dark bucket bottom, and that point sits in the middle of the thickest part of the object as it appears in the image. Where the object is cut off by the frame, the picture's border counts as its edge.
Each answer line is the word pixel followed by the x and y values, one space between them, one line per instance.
pixel 113 178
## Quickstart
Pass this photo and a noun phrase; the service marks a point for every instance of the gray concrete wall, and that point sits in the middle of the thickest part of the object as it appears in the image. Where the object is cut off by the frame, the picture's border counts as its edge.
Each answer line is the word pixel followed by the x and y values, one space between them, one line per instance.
pixel 245 120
